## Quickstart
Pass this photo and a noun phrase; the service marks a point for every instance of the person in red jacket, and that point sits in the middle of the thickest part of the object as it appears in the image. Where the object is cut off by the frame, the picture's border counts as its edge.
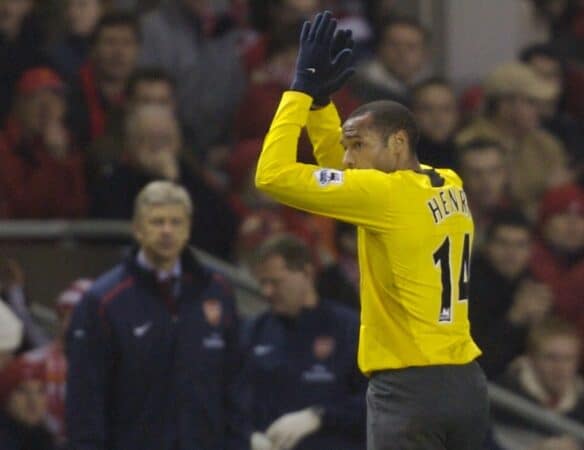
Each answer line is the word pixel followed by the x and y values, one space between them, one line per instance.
pixel 41 175
pixel 558 257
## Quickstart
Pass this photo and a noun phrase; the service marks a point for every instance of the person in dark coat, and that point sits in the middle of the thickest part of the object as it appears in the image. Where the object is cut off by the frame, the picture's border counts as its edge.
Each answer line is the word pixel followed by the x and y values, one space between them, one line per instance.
pixel 505 299
pixel 99 89
pixel 153 347
pixel 153 152
pixel 435 107
pixel 305 390
pixel 71 51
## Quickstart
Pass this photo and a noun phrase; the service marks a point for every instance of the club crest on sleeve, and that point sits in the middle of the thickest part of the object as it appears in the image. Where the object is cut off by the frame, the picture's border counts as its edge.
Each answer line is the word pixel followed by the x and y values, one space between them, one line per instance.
pixel 213 311
pixel 324 346
pixel 324 177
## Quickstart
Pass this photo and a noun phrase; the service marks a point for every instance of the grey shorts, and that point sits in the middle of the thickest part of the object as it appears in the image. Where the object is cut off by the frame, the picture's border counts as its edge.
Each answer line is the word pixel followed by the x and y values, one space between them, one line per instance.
pixel 428 408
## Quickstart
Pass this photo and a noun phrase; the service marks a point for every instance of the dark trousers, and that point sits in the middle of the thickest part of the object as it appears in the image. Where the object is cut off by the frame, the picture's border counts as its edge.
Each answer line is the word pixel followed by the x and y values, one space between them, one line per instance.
pixel 428 408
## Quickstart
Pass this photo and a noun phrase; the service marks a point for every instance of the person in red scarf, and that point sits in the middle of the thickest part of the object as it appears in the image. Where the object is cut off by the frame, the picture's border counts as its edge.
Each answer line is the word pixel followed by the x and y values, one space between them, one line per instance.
pixel 53 360
pixel 41 174
pixel 100 87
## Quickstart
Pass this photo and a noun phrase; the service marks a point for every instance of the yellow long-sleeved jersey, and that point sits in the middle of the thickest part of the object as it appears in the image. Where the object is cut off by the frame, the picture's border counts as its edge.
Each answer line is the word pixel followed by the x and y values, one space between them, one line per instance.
pixel 414 239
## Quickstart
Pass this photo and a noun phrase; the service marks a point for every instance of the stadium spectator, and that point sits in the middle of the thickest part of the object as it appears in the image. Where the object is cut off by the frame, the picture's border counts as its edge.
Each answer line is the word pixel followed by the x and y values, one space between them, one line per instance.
pixel 558 257
pixel 306 390
pixel 547 62
pixel 535 158
pixel 147 86
pixel 436 111
pixel 482 167
pixel 153 148
pixel 54 363
pixel 547 375
pixel 399 62
pixel 153 346
pixel 12 288
pixel 41 173
pixel 71 51
pixel 506 300
pixel 10 334
pixel 100 87
pixel 23 406
pixel 339 281
pixel 190 40
pixel 21 41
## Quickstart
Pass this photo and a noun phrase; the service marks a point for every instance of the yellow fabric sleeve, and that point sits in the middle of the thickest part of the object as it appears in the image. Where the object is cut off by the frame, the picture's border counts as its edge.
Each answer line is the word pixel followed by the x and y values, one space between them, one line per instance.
pixel 324 131
pixel 360 196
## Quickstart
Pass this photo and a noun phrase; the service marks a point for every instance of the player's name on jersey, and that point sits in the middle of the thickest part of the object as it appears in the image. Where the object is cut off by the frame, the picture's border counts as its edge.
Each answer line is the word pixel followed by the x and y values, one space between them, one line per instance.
pixel 448 202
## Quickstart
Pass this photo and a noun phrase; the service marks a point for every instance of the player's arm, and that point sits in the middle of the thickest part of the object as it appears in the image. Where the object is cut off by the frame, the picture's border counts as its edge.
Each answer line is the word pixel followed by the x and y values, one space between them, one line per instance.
pixel 324 130
pixel 324 123
pixel 355 196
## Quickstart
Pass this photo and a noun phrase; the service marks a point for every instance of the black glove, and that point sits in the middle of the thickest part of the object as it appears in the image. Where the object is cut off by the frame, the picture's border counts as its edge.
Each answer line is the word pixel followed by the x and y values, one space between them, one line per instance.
pixel 319 72
pixel 342 40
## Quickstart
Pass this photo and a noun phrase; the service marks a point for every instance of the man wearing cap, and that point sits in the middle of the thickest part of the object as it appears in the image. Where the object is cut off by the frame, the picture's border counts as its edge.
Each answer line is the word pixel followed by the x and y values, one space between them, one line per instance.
pixel 558 256
pixel 536 159
pixel 41 175
pixel 52 357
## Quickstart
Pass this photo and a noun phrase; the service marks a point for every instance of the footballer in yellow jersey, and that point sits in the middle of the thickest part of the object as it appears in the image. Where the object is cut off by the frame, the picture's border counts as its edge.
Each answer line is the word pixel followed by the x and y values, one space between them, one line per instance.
pixel 414 233
pixel 415 236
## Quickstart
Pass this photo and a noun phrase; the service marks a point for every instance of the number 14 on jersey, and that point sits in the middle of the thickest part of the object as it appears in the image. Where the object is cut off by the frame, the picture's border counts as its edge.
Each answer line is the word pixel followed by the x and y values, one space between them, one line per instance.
pixel 442 259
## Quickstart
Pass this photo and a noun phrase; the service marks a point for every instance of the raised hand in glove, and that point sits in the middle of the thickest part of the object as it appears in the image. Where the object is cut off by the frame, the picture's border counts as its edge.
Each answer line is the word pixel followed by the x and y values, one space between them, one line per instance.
pixel 342 40
pixel 319 72
pixel 286 431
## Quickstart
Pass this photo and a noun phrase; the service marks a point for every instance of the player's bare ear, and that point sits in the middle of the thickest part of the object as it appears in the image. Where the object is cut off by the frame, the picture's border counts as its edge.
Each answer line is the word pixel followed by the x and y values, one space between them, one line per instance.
pixel 397 140
pixel 401 138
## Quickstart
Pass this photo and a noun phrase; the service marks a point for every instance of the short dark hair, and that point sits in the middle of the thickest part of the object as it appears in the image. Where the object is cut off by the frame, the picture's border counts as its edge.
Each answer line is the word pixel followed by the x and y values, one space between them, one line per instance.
pixel 550 327
pixel 116 19
pixel 394 21
pixel 390 117
pixel 429 82
pixel 294 251
pixel 507 218
pixel 148 74
pixel 478 145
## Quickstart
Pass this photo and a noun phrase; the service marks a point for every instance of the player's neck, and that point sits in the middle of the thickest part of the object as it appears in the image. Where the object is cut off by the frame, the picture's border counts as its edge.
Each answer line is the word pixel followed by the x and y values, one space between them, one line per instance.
pixel 412 164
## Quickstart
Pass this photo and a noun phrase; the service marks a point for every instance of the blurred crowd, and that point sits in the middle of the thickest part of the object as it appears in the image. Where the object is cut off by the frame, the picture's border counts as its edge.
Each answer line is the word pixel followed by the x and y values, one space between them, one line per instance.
pixel 98 98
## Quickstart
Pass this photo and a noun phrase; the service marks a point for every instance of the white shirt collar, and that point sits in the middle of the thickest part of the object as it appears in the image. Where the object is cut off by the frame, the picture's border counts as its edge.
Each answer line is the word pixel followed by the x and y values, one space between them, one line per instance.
pixel 162 275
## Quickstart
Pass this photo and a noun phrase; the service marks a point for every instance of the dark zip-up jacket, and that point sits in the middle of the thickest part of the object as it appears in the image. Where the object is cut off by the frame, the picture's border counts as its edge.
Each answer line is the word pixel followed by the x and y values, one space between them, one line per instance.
pixel 140 378
pixel 292 364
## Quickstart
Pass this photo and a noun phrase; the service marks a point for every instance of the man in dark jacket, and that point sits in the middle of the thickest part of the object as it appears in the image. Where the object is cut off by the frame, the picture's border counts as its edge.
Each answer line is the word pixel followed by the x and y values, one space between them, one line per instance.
pixel 152 348
pixel 306 392
pixel 506 301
